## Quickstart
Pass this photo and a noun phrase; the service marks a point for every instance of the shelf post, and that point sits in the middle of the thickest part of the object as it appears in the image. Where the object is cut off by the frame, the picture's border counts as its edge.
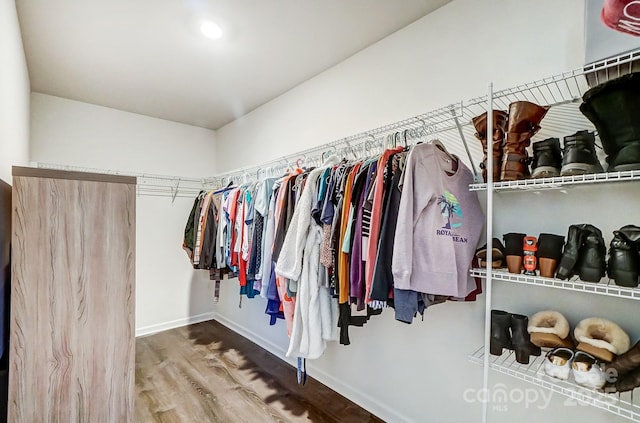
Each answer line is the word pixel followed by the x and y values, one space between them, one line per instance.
pixel 489 259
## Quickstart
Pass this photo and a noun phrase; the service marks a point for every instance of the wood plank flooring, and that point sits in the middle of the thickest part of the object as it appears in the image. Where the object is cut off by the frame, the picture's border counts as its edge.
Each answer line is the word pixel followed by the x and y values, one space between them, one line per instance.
pixel 208 373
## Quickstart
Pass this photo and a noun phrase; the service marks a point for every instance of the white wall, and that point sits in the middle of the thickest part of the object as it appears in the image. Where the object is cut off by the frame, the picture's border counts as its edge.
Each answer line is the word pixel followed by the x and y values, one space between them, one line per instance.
pixel 168 291
pixel 14 100
pixel 419 372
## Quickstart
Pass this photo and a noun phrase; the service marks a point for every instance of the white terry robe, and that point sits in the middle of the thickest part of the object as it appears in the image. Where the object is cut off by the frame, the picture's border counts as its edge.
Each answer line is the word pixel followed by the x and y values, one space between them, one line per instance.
pixel 306 334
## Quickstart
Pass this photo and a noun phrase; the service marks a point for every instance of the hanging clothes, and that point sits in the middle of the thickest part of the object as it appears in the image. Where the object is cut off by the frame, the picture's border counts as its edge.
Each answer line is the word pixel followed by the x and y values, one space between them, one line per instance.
pixel 439 226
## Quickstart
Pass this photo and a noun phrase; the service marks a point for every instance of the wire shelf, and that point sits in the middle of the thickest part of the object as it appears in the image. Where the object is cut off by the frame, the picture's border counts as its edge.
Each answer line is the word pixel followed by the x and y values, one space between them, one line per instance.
pixel 560 181
pixel 147 184
pixel 623 405
pixel 605 287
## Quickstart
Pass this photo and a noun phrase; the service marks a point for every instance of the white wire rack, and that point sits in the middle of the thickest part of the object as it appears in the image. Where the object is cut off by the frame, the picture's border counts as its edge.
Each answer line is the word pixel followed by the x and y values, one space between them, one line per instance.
pixel 605 287
pixel 147 184
pixel 445 124
pixel 623 404
pixel 563 93
pixel 560 181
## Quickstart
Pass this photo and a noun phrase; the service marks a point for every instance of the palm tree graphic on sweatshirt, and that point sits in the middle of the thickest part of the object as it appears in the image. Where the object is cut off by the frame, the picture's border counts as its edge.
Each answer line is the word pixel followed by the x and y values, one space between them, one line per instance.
pixel 450 207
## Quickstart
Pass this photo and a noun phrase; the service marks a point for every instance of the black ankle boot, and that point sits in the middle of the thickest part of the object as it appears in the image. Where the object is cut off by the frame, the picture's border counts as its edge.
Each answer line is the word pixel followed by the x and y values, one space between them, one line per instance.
pixel 513 251
pixel 500 332
pixel 591 264
pixel 624 259
pixel 549 254
pixel 613 107
pixel 547 158
pixel 575 239
pixel 521 340
pixel 579 156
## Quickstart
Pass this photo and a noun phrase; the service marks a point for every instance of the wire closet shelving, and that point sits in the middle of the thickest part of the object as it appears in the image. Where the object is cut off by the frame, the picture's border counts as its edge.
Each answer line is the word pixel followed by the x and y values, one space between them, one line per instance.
pixel 564 93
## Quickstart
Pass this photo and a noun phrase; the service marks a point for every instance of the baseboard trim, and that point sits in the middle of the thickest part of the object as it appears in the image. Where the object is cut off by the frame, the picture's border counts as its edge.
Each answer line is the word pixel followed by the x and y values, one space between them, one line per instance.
pixel 363 400
pixel 151 329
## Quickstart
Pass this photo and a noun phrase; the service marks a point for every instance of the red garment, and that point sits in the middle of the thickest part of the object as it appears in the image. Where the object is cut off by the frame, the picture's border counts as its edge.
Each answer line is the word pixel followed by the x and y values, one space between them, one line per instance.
pixel 622 15
pixel 232 222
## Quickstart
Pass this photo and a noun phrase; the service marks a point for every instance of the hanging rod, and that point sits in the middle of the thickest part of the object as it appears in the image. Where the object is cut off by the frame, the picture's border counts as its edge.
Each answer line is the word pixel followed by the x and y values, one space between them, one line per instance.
pixel 358 145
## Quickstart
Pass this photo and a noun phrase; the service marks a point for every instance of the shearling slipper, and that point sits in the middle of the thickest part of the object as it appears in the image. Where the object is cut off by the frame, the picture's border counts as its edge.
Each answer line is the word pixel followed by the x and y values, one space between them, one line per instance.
pixel 597 335
pixel 549 329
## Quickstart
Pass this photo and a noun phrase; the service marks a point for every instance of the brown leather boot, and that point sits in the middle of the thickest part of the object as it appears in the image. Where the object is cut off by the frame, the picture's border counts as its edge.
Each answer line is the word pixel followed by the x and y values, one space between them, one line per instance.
pixel 626 362
pixel 524 122
pixel 499 126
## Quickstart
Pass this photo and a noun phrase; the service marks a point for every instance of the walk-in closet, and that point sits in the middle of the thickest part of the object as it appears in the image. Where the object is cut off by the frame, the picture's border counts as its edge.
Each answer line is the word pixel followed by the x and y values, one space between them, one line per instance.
pixel 364 211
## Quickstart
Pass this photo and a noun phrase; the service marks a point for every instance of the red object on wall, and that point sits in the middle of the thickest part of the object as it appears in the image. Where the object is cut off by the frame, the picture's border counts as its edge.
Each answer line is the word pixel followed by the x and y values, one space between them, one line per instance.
pixel 622 15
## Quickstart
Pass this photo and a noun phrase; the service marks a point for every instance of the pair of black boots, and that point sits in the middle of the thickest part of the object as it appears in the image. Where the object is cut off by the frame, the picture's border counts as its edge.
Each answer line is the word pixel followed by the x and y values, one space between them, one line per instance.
pixel 578 156
pixel 549 252
pixel 624 256
pixel 509 331
pixel 584 254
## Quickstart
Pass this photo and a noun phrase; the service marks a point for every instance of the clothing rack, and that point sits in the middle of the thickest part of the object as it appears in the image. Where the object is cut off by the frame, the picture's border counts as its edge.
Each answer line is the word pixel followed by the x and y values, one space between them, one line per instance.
pixel 437 124
pixel 147 184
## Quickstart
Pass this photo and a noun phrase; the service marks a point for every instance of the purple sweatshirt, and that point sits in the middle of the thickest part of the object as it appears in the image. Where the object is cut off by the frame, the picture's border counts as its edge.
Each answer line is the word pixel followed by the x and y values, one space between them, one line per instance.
pixel 439 226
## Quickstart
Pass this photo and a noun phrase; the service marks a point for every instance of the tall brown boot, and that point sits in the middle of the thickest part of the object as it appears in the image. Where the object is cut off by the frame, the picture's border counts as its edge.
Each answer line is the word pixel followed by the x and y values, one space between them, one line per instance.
pixel 499 126
pixel 524 123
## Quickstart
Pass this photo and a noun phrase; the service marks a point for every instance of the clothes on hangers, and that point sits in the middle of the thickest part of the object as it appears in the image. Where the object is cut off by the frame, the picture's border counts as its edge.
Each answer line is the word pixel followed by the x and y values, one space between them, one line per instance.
pixel 333 246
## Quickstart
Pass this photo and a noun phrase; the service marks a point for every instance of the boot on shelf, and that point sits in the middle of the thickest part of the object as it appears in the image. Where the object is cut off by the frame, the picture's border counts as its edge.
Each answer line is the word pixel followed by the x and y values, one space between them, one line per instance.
pixel 579 155
pixel 521 340
pixel 613 108
pixel 547 158
pixel 624 258
pixel 514 251
pixel 524 122
pixel 550 329
pixel 549 254
pixel 591 264
pixel 500 332
pixel 497 254
pixel 497 142
pixel 625 363
pixel 626 383
pixel 575 239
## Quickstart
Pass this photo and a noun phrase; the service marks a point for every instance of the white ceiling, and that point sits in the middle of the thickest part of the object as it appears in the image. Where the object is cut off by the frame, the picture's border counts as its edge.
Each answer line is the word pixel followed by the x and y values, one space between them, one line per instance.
pixel 148 57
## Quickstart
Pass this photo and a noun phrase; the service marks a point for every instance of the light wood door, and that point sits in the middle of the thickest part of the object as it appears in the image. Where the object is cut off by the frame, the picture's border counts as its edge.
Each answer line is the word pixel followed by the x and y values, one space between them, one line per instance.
pixel 72 314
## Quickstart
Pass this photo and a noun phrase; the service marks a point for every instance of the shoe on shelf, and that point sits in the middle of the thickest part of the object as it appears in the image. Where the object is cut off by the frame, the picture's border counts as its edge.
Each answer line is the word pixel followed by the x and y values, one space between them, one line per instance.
pixel 625 363
pixel 557 363
pixel 549 329
pixel 547 158
pixel 575 239
pixel 601 338
pixel 500 332
pixel 497 143
pixel 591 266
pixel 579 156
pixel 497 254
pixel 521 340
pixel 613 108
pixel 514 251
pixel 624 257
pixel 586 370
pixel 626 383
pixel 549 254
pixel 524 123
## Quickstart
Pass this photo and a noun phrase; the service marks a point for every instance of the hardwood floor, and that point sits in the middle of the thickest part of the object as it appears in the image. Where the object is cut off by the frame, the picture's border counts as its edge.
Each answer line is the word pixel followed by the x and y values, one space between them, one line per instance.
pixel 207 373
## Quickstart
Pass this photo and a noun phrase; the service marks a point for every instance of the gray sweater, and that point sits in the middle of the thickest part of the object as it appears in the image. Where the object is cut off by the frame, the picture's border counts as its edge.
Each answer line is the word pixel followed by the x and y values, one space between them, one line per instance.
pixel 439 225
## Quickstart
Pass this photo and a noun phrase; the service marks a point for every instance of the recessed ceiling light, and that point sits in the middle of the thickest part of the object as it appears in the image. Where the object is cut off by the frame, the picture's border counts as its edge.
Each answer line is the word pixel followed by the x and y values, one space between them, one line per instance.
pixel 211 30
